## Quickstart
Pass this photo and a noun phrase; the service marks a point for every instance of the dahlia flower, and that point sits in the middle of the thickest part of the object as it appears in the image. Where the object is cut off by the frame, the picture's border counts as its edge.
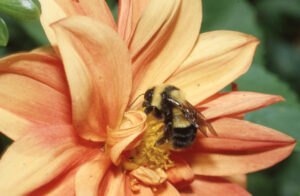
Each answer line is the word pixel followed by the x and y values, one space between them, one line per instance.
pixel 77 131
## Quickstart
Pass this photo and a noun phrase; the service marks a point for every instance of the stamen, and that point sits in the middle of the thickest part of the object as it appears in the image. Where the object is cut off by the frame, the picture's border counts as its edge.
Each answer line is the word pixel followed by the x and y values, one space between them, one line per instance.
pixel 148 154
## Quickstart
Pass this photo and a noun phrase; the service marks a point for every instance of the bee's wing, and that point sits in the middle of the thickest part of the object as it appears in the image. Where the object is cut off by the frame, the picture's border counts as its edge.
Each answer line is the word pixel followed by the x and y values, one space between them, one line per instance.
pixel 202 122
pixel 199 119
pixel 194 116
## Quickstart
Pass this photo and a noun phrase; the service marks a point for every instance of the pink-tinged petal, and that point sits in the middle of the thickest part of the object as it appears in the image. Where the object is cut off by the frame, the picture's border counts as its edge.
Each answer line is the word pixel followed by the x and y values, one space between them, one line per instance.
pixel 129 14
pixel 113 183
pixel 238 136
pixel 235 103
pixel 167 189
pixel 33 90
pixel 207 186
pixel 63 185
pixel 162 42
pixel 38 157
pixel 55 10
pixel 218 58
pixel 134 188
pixel 90 175
pixel 127 136
pixel 149 176
pixel 97 65
pixel 240 147
pixel 240 180
pixel 181 174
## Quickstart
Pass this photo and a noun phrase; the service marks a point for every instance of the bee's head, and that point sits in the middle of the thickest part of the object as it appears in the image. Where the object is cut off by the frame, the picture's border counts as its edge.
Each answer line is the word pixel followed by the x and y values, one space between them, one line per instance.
pixel 148 97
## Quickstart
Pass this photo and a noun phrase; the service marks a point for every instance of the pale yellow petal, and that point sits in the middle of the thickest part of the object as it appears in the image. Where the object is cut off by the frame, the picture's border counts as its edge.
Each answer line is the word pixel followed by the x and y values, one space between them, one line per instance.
pixel 158 49
pixel 218 58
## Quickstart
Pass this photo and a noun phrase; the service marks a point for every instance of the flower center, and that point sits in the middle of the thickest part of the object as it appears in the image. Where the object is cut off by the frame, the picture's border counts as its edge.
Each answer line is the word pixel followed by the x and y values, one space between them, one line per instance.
pixel 147 153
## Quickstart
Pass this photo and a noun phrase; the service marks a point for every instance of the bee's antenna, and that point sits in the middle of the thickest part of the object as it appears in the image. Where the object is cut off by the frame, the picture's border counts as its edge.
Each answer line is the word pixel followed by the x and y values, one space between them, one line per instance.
pixel 135 100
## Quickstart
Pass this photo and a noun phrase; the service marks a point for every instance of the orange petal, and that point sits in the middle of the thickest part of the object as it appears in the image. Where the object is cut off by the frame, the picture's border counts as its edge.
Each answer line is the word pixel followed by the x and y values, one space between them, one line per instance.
pixel 38 157
pixel 51 12
pixel 62 185
pixel 240 147
pixel 238 102
pixel 127 137
pixel 90 175
pixel 181 174
pixel 167 189
pixel 207 186
pixel 33 90
pixel 113 183
pixel 55 10
pixel 129 14
pixel 165 35
pixel 238 136
pixel 98 70
pixel 135 188
pixel 218 58
pixel 149 176
pixel 240 179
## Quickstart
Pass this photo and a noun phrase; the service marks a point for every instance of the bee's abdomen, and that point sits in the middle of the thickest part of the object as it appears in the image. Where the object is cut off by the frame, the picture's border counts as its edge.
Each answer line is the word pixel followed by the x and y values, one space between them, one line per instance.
pixel 184 136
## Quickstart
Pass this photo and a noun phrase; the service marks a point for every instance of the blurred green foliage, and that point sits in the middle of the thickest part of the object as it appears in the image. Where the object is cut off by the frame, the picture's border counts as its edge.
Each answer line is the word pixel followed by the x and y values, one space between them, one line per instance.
pixel 21 10
pixel 276 70
pixel 3 33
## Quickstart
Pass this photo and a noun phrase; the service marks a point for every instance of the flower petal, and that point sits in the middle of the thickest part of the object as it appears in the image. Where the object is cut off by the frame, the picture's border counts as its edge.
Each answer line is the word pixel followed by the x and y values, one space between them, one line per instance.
pixel 155 20
pixel 55 10
pixel 161 43
pixel 167 189
pixel 127 137
pixel 240 147
pixel 61 185
pixel 51 12
pixel 98 70
pixel 240 180
pixel 207 186
pixel 129 14
pixel 181 174
pixel 235 103
pixel 90 176
pixel 149 176
pixel 38 157
pixel 218 58
pixel 113 183
pixel 29 84
pixel 134 188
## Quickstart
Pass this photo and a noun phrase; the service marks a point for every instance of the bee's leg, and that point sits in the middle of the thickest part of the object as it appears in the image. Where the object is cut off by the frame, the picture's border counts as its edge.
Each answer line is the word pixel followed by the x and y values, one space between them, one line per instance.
pixel 148 109
pixel 166 135
pixel 168 128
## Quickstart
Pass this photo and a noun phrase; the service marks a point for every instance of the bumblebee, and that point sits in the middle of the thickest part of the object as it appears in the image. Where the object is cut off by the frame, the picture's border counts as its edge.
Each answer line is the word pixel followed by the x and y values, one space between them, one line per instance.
pixel 181 119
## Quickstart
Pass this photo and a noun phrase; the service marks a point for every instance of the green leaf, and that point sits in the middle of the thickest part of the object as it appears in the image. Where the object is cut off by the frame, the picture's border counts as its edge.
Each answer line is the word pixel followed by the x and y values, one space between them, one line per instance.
pixel 113 5
pixel 258 79
pixel 288 177
pixel 260 184
pixel 283 116
pixel 3 33
pixel 35 31
pixel 23 10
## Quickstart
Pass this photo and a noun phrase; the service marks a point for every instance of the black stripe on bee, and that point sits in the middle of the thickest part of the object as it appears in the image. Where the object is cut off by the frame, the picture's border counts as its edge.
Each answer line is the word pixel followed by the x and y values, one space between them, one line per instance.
pixel 184 137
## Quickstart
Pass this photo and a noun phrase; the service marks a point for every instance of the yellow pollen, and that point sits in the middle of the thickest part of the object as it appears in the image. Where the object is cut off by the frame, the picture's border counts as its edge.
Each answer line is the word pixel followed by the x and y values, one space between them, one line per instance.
pixel 147 153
